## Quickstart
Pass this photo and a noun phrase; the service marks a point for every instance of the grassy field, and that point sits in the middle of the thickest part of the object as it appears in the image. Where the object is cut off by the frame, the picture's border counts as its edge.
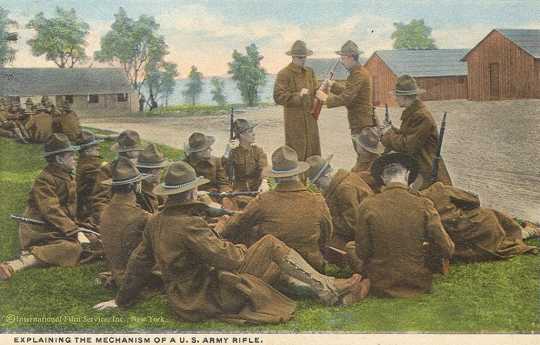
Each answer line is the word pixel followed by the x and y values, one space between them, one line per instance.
pixel 489 297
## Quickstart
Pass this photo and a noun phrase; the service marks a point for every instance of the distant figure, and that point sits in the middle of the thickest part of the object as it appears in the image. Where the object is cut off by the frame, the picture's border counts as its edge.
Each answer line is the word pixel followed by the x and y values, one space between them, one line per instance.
pixel 142 100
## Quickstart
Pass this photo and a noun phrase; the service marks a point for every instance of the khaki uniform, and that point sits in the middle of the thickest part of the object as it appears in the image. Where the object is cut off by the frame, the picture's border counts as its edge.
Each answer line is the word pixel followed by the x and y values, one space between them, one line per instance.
pixel 248 165
pixel 345 194
pixel 364 171
pixel 87 170
pixel 194 263
pixel 39 127
pixel 393 227
pixel 147 200
pixel 479 233
pixel 69 124
pixel 356 96
pixel 122 226
pixel 291 213
pixel 101 195
pixel 212 170
pixel 418 137
pixel 6 126
pixel 53 199
pixel 301 129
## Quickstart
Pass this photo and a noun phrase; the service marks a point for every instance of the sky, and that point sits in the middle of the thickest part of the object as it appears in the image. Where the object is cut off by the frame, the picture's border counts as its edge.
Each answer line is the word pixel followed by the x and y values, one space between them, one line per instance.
pixel 205 33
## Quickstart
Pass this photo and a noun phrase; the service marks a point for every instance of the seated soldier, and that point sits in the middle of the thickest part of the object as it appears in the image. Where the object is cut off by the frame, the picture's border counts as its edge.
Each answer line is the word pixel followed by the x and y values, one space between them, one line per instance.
pixel 398 232
pixel 290 212
pixel 122 220
pixel 128 145
pixel 39 125
pixel 478 233
pixel 207 277
pixel 88 167
pixel 151 162
pixel 368 148
pixel 343 192
pixel 68 122
pixel 53 201
pixel 8 127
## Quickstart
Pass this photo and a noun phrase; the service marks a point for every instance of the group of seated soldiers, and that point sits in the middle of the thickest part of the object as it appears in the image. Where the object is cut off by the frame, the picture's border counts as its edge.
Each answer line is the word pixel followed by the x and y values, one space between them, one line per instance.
pixel 218 251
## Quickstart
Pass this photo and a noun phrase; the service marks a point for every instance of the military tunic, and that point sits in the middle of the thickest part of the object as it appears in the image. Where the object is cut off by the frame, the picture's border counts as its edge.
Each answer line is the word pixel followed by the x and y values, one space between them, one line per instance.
pixel 356 96
pixel 39 127
pixel 122 226
pixel 418 137
pixel 394 228
pixel 205 277
pixel 212 170
pixel 53 199
pixel 291 213
pixel 101 195
pixel 478 233
pixel 248 165
pixel 301 129
pixel 147 200
pixel 69 124
pixel 87 170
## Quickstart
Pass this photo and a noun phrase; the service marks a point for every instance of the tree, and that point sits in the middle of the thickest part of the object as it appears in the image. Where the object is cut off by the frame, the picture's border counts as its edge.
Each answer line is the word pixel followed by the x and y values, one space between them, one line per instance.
pixel 133 44
pixel 415 35
pixel 161 81
pixel 61 39
pixel 218 87
pixel 194 86
pixel 246 70
pixel 7 53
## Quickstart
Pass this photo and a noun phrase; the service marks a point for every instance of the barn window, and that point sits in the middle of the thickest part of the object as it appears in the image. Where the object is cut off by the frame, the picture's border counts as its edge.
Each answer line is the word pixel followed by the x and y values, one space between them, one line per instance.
pixel 93 98
pixel 122 97
pixel 69 99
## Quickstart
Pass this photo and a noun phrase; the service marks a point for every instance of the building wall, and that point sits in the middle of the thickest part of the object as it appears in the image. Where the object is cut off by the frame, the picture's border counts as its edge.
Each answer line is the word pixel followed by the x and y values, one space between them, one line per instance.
pixel 516 70
pixel 384 81
pixel 443 88
pixel 537 66
pixel 106 104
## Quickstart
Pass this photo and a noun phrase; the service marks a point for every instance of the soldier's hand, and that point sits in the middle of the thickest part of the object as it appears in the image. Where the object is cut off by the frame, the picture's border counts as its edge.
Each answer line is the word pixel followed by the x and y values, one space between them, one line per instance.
pixel 220 225
pixel 106 305
pixel 304 92
pixel 328 84
pixel 321 96
pixel 233 143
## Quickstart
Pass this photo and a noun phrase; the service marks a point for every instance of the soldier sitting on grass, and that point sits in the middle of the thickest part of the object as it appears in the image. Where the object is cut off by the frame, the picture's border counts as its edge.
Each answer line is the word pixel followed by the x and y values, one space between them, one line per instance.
pixel 53 201
pixel 151 162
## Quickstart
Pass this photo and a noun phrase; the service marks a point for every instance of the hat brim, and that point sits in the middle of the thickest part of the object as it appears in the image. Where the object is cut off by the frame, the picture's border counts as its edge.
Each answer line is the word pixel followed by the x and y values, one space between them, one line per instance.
pixel 379 149
pixel 340 53
pixel 149 165
pixel 397 157
pixel 116 148
pixel 301 168
pixel 135 179
pixel 72 148
pixel 323 168
pixel 210 140
pixel 307 53
pixel 407 93
pixel 163 189
pixel 92 143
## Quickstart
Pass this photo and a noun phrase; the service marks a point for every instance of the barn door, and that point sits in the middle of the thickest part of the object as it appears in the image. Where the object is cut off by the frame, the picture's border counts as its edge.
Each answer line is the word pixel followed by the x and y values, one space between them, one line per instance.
pixel 494 81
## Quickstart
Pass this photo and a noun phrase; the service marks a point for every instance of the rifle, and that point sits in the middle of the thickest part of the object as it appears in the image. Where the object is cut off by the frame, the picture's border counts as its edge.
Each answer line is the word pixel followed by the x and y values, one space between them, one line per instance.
pixel 32 221
pixel 435 163
pixel 227 154
pixel 317 104
pixel 387 121
pixel 231 194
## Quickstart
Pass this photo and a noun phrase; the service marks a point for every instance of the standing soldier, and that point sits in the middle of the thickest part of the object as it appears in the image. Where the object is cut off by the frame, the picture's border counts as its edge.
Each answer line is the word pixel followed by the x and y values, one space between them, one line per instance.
pixel 52 200
pixel 88 167
pixel 128 145
pixel 295 90
pixel 356 94
pixel 417 135
pixel 39 126
pixel 150 162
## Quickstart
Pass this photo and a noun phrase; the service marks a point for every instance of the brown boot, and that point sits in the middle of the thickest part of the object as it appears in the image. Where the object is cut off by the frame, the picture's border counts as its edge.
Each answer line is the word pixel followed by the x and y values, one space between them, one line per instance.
pixel 6 271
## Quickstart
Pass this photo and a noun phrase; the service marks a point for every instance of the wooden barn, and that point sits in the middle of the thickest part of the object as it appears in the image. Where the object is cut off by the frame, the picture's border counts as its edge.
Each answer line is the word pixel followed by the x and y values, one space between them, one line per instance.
pixel 440 72
pixel 505 65
pixel 88 90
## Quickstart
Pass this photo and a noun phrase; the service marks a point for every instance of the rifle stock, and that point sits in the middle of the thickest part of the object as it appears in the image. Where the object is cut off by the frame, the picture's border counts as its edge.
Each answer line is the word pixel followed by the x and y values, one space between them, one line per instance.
pixel 435 163
pixel 317 104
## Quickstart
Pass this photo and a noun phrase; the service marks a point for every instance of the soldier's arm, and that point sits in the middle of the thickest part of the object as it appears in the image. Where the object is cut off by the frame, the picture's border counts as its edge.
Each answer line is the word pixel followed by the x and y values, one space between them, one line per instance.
pixel 204 242
pixel 49 206
pixel 283 95
pixel 409 143
pixel 362 235
pixel 139 269
pixel 348 95
pixel 100 194
pixel 327 227
pixel 348 205
pixel 221 177
pixel 243 222
pixel 261 160
pixel 437 236
pixel 338 87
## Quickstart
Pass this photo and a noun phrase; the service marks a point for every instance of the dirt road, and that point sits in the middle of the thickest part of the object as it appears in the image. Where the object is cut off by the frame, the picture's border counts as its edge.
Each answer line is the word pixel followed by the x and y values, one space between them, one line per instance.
pixel 490 148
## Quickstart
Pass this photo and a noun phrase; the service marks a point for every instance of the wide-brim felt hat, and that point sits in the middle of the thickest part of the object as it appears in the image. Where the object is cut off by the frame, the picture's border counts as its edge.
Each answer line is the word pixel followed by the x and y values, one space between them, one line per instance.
pixel 88 139
pixel 180 177
pixel 400 158
pixel 198 142
pixel 242 125
pixel 369 140
pixel 58 143
pixel 349 48
pixel 152 158
pixel 124 172
pixel 127 141
pixel 406 86
pixel 317 167
pixel 285 163
pixel 299 48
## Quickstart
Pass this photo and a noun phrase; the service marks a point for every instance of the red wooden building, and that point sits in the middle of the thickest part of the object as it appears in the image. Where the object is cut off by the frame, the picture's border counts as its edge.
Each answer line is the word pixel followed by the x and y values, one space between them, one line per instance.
pixel 440 72
pixel 505 65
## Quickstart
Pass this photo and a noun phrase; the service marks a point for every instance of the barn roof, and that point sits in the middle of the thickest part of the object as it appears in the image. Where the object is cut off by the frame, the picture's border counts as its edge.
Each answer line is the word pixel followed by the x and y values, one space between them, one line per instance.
pixel 62 81
pixel 321 67
pixel 424 63
pixel 526 39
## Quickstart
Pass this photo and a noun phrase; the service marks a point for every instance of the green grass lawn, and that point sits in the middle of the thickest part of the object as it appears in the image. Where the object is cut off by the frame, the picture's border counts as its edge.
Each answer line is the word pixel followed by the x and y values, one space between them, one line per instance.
pixel 489 297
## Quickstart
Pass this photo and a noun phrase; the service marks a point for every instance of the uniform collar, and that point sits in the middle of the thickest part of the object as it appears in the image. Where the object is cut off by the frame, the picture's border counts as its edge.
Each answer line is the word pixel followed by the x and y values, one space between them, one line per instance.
pixel 296 69
pixel 57 170
pixel 125 198
pixel 199 162
pixel 356 67
pixel 292 186
pixel 394 185
pixel 413 108
pixel 183 205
